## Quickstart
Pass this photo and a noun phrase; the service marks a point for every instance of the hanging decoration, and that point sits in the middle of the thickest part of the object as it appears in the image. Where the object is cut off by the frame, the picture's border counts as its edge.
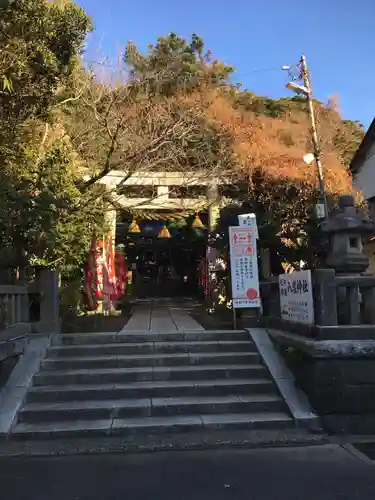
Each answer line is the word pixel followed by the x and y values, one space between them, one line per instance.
pixel 164 233
pixel 99 265
pixel 121 279
pixel 134 228
pixel 197 223
pixel 110 285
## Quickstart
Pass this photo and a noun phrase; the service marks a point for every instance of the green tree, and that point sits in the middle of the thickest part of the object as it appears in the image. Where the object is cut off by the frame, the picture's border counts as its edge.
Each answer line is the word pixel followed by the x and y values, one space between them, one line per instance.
pixel 44 219
pixel 174 64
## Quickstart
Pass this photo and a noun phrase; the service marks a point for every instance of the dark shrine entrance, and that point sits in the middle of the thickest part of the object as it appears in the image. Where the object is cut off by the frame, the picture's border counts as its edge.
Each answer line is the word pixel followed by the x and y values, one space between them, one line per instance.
pixel 165 266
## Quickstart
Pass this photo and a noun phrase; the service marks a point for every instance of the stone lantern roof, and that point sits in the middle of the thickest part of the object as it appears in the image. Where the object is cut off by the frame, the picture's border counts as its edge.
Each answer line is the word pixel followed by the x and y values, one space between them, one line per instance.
pixel 345 230
pixel 348 220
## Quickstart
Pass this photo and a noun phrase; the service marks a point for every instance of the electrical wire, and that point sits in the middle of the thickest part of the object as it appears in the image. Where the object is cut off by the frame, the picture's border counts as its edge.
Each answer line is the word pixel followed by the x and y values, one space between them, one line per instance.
pixel 264 70
pixel 254 70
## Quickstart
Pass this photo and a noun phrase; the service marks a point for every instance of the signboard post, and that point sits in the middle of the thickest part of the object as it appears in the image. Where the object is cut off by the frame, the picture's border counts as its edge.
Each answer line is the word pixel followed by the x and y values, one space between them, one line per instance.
pixel 296 297
pixel 244 268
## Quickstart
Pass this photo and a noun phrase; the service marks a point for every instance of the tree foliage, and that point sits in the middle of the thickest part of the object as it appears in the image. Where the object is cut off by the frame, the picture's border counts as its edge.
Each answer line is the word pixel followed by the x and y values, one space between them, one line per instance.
pixel 43 218
pixel 174 64
pixel 113 130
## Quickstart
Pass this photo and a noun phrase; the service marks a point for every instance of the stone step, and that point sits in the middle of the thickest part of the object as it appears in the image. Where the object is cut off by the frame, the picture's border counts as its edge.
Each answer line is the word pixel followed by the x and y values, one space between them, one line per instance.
pixel 153 389
pixel 150 348
pixel 135 360
pixel 153 425
pixel 140 337
pixel 138 374
pixel 154 407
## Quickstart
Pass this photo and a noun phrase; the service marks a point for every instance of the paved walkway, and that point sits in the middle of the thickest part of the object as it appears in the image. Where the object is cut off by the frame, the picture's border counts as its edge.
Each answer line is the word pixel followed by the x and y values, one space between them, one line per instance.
pixel 161 319
pixel 324 473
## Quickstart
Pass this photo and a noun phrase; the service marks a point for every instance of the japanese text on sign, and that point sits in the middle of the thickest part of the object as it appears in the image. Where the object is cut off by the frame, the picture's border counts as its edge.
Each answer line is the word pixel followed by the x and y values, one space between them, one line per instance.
pixel 296 297
pixel 249 220
pixel 244 267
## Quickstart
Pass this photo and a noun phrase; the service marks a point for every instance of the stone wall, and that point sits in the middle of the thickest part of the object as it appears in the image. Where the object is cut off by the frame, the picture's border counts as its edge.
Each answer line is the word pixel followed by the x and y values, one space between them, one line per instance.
pixel 338 376
pixel 342 391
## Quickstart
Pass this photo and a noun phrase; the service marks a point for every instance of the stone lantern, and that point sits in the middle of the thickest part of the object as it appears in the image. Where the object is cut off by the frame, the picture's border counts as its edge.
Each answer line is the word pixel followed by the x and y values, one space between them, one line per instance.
pixel 346 230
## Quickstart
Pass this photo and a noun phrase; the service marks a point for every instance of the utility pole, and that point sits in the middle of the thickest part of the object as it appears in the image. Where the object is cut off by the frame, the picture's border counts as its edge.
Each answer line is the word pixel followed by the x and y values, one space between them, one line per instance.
pixel 317 154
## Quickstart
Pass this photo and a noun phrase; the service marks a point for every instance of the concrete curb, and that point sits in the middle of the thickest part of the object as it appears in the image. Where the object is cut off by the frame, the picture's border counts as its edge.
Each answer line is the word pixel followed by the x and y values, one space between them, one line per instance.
pixel 295 398
pixel 350 349
pixel 15 390
pixel 155 443
pixel 12 347
pixel 358 454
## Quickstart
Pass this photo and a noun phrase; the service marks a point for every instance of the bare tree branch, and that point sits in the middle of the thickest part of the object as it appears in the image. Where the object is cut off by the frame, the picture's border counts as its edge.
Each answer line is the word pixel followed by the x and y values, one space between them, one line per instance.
pixel 126 128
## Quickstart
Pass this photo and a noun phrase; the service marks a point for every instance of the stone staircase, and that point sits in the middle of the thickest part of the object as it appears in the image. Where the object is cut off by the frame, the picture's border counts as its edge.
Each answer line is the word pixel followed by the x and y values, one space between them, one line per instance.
pixel 133 383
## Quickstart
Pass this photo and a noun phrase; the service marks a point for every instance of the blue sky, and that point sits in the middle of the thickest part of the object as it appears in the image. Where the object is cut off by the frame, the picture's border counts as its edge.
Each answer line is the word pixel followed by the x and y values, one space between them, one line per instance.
pixel 258 37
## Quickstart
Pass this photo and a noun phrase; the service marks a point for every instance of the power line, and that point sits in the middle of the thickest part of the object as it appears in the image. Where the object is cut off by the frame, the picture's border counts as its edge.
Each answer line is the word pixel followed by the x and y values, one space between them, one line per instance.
pixel 99 63
pixel 264 70
pixel 254 70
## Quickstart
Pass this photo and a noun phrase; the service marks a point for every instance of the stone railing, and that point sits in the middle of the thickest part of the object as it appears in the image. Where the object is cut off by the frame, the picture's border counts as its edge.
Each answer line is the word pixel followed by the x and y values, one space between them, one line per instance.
pixel 27 309
pixel 14 320
pixel 344 306
pixel 13 306
pixel 343 300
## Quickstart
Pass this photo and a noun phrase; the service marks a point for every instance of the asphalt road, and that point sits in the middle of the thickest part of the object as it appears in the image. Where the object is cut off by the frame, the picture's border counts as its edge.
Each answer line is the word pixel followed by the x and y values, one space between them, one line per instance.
pixel 324 472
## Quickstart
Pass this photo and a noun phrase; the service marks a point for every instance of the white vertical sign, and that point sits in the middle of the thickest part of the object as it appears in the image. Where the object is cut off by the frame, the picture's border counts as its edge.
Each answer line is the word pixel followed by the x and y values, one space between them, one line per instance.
pixel 244 267
pixel 249 220
pixel 296 297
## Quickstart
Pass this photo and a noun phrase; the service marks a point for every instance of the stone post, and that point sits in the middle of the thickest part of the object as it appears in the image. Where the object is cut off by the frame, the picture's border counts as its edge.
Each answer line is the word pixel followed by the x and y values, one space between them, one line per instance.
pixel 24 308
pixel 162 194
pixel 50 302
pixel 111 217
pixel 213 198
pixel 325 298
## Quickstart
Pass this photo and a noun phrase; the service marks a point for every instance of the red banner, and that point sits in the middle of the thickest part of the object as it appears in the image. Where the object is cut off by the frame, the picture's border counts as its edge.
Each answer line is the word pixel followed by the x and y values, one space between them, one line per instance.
pixel 106 273
pixel 121 276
